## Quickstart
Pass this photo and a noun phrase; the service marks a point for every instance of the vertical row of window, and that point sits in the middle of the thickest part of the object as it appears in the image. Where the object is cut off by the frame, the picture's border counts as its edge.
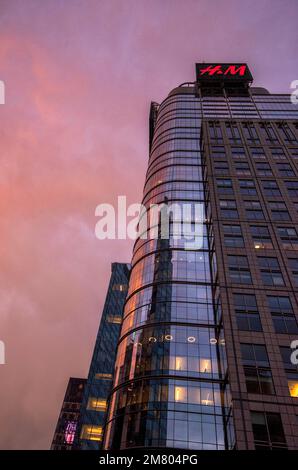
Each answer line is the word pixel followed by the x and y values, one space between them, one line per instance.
pixel 267 427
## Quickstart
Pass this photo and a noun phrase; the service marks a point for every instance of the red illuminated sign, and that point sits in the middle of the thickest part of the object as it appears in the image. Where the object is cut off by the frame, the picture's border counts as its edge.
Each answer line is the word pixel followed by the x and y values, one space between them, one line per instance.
pixel 223 72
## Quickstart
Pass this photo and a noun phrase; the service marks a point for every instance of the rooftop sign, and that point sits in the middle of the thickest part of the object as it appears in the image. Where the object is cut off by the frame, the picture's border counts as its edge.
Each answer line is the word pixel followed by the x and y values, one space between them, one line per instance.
pixel 223 72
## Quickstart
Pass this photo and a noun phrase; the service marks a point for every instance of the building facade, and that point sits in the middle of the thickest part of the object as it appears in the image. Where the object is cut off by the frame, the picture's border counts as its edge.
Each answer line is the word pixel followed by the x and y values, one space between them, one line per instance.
pixel 67 424
pixel 203 359
pixel 100 376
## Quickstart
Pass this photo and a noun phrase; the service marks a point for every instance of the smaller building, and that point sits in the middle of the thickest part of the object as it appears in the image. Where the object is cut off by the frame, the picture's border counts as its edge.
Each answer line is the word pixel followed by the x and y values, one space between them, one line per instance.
pixel 93 414
pixel 68 419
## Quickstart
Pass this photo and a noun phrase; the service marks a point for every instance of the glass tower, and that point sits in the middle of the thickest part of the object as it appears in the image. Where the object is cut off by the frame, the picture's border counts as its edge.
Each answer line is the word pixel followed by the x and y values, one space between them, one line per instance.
pixel 66 428
pixel 205 339
pixel 99 382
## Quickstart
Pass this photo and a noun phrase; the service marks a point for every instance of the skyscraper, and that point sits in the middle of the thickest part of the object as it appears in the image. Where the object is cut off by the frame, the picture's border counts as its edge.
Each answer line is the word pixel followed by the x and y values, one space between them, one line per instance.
pixel 100 376
pixel 203 359
pixel 66 428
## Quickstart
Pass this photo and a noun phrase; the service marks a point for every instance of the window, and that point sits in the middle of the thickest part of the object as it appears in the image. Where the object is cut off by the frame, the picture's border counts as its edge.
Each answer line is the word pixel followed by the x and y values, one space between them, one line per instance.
pixel 238 153
pixel 221 168
pixel 258 380
pixel 120 287
pixel 286 133
pixel 268 133
pixel 97 404
pixel 250 133
pixel 242 169
pixel 215 133
pixel 293 265
pixel 291 370
pixel 91 433
pixel 289 238
pixel 270 188
pixel 286 353
pixel 285 169
pixel 277 153
pixel 239 269
pixel 283 317
pixel 102 375
pixel 257 372
pixel 247 188
pixel 279 210
pixel 270 271
pixel 294 153
pixel 257 153
pixel 263 169
pixel 261 237
pixel 224 186
pixel 267 430
pixel 254 355
pixel 253 210
pixel 233 133
pixel 293 384
pixel 218 152
pixel 228 209
pixel 246 311
pixel 233 236
pixel 292 187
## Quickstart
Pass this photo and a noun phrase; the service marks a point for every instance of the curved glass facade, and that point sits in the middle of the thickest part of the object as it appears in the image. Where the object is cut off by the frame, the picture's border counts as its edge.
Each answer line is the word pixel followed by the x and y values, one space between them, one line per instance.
pixel 171 387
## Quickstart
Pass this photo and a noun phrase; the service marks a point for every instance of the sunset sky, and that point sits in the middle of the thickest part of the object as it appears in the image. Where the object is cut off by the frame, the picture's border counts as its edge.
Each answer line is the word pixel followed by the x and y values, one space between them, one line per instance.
pixel 79 79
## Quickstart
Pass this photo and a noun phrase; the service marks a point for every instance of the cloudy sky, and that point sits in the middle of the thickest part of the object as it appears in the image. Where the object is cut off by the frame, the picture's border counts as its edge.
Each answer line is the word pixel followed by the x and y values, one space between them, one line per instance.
pixel 79 79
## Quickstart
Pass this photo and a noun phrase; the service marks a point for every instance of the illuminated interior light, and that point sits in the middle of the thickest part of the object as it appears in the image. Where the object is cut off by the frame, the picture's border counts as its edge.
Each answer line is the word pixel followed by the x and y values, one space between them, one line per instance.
pixel 180 363
pixel 168 337
pixel 206 401
pixel 191 339
pixel 97 404
pixel 213 341
pixel 91 433
pixel 180 393
pixel 152 339
pixel 205 365
pixel 103 376
pixel 293 387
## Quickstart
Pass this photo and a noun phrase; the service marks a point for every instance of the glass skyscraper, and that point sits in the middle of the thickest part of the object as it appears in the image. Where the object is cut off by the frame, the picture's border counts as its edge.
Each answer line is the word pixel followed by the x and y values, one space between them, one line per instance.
pixel 203 359
pixel 67 424
pixel 100 376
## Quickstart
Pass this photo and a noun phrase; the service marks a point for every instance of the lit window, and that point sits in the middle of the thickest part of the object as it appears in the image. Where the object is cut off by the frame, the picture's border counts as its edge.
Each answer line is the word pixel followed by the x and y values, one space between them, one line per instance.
pixel 207 397
pixel 180 363
pixel 114 319
pixel 120 287
pixel 205 366
pixel 103 376
pixel 293 383
pixel 97 404
pixel 181 394
pixel 293 387
pixel 91 433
